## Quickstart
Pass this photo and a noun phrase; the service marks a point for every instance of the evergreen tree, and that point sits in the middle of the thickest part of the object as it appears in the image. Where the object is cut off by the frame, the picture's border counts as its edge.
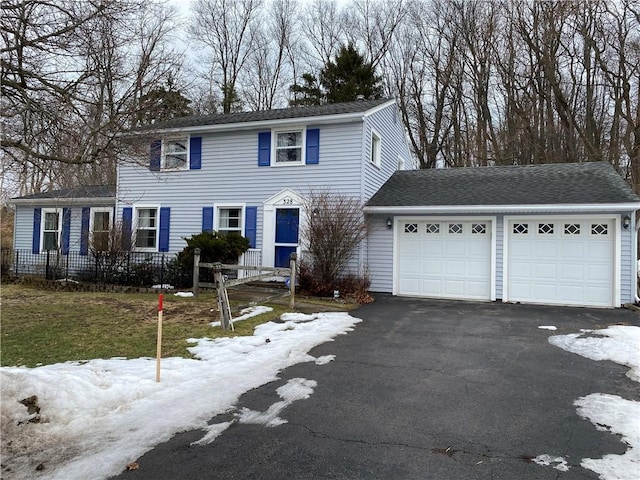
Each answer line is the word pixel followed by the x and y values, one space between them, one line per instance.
pixel 349 76
pixel 161 104
pixel 307 94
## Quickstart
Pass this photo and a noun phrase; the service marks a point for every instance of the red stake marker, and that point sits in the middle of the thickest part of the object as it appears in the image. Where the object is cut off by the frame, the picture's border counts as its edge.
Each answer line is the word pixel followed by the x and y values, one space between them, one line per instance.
pixel 159 341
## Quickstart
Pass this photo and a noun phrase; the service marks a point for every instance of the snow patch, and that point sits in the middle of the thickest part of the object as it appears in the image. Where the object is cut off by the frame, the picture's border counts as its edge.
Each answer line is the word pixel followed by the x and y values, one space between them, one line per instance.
pixel 558 463
pixel 183 294
pixel 99 415
pixel 547 327
pixel 247 313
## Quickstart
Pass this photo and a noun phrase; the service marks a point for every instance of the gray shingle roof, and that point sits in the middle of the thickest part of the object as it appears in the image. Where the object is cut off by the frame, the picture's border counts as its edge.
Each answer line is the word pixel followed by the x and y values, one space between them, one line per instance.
pixel 266 115
pixel 559 183
pixel 85 191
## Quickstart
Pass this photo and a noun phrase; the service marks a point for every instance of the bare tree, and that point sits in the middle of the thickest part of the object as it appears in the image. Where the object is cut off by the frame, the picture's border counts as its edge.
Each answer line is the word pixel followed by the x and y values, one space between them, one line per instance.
pixel 226 28
pixel 71 74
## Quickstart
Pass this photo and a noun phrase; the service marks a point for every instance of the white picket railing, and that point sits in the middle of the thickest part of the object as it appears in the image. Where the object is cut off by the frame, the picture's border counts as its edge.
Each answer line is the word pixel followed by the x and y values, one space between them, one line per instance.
pixel 250 258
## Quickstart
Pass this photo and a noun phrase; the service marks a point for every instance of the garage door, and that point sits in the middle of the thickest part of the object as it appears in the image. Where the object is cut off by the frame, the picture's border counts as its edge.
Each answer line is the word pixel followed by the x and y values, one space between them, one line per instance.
pixel 561 261
pixel 445 259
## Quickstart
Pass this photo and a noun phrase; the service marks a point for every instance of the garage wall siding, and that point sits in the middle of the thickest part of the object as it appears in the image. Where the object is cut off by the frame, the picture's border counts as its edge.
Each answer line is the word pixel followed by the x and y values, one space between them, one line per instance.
pixel 380 254
pixel 628 275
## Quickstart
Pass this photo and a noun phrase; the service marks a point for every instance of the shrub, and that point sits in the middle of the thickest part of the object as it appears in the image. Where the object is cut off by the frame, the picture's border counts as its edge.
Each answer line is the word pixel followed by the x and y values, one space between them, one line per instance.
pixel 351 287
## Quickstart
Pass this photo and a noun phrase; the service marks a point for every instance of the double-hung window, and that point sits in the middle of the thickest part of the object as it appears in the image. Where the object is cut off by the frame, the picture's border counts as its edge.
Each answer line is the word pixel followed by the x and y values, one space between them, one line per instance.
pixel 51 227
pixel 289 147
pixel 146 228
pixel 229 220
pixel 100 228
pixel 175 153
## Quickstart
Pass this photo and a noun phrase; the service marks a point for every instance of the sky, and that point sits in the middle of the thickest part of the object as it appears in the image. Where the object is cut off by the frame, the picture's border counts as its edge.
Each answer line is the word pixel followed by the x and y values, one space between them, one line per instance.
pixel 98 416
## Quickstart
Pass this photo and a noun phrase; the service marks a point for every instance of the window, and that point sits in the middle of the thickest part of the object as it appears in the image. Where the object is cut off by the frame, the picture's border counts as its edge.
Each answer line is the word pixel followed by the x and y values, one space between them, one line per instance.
pixel 288 147
pixel 410 228
pixel 146 228
pixel 455 228
pixel 572 229
pixel 433 228
pixel 175 153
pixel 229 220
pixel 545 228
pixel 100 227
pixel 520 228
pixel 51 226
pixel 599 229
pixel 478 228
pixel 375 157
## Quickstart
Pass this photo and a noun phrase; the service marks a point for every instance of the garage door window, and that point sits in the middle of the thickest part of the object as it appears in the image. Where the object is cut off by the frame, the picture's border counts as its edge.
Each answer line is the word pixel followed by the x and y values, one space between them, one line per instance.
pixel 455 228
pixel 410 228
pixel 599 229
pixel 572 229
pixel 433 228
pixel 479 228
pixel 545 228
pixel 520 228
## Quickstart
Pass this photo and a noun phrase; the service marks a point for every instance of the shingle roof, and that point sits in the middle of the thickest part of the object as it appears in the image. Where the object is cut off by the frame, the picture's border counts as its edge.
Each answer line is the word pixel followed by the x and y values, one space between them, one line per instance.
pixel 85 191
pixel 545 184
pixel 266 115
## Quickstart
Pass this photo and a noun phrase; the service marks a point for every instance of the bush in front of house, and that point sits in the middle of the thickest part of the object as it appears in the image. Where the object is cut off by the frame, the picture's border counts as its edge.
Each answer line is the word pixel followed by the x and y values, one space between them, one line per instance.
pixel 214 247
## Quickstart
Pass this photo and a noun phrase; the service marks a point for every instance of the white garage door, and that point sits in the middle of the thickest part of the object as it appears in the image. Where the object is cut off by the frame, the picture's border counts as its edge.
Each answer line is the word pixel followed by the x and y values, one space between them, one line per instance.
pixel 444 259
pixel 560 261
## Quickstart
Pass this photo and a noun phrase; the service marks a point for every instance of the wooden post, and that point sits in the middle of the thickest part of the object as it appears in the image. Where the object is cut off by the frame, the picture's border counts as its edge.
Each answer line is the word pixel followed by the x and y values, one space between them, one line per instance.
pixel 223 299
pixel 292 280
pixel 159 340
pixel 196 272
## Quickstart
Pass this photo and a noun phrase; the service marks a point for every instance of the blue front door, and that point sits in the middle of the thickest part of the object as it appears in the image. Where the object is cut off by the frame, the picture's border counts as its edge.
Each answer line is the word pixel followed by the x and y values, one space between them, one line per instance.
pixel 287 222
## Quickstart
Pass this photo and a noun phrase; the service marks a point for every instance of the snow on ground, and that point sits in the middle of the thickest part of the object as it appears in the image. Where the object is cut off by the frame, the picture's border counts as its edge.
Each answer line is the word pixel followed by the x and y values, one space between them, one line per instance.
pixel 548 327
pixel 246 313
pixel 99 415
pixel 620 344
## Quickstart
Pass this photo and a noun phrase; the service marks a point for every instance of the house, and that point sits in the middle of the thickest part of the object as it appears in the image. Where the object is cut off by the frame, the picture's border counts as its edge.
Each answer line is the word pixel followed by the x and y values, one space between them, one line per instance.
pixel 247 172
pixel 560 234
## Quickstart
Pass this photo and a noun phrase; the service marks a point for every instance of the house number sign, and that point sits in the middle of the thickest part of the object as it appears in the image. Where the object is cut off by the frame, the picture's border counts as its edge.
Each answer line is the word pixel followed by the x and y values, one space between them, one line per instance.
pixel 287 201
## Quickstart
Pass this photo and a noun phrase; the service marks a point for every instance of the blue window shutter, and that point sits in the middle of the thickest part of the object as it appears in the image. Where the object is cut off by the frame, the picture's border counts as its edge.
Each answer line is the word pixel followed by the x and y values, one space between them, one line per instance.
pixel 313 146
pixel 264 149
pixel 207 219
pixel 165 214
pixel 66 230
pixel 127 216
pixel 84 231
pixel 154 155
pixel 195 153
pixel 35 242
pixel 250 225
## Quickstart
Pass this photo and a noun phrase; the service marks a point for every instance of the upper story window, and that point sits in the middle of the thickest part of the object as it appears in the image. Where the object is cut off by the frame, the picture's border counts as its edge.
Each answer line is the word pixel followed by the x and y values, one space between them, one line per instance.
pixel 51 228
pixel 146 228
pixel 375 156
pixel 100 228
pixel 175 153
pixel 229 220
pixel 288 147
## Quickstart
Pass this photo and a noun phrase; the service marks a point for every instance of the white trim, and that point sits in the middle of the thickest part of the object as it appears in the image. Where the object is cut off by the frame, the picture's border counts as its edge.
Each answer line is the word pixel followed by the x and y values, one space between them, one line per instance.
pixel 286 198
pixel 470 209
pixel 493 261
pixel 134 226
pixel 225 205
pixel 237 126
pixel 43 214
pixel 617 272
pixel 303 146
pixel 375 138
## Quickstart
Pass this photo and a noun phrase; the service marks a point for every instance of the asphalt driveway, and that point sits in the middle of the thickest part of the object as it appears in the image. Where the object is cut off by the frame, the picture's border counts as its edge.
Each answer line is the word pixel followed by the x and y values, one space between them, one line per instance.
pixel 422 389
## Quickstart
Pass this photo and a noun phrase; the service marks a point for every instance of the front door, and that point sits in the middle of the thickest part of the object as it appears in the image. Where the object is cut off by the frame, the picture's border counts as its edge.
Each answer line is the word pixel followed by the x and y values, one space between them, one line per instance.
pixel 287 222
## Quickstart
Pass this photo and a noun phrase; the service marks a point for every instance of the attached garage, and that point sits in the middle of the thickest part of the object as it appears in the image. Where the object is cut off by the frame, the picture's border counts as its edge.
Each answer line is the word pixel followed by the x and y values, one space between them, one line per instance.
pixel 445 258
pixel 557 234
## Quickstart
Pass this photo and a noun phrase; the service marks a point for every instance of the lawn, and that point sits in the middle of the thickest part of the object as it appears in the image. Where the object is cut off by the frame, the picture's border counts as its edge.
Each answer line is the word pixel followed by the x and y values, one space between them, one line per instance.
pixel 44 327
